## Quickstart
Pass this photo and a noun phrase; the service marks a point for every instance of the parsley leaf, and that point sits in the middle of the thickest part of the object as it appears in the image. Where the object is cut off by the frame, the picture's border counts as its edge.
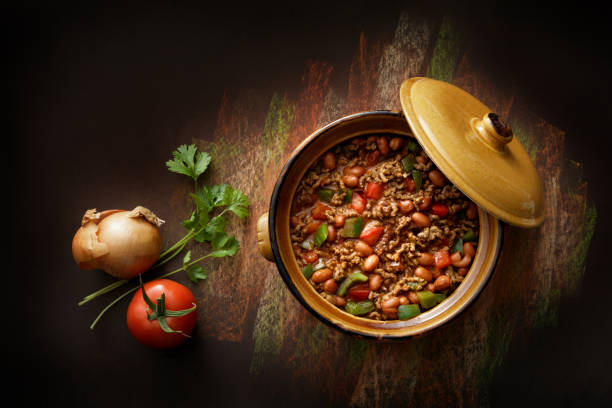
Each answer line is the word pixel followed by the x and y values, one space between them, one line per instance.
pixel 194 272
pixel 229 248
pixel 189 161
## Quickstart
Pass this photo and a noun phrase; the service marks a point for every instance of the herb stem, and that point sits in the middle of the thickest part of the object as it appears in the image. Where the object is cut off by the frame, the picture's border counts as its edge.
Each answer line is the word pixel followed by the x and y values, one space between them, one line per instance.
pixel 111 305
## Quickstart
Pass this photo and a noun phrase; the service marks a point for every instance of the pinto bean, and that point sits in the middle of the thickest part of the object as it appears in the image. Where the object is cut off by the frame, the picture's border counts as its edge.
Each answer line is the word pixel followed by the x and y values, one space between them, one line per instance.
pixel 339 220
pixel 354 170
pixel 375 282
pixel 383 145
pixel 463 262
pixel 370 263
pixel 340 301
pixel 331 233
pixel 424 202
pixel 330 286
pixel 295 221
pixel 462 271
pixel 403 300
pixel 468 249
pixel 321 275
pixel 421 220
pixel 413 297
pixel 350 180
pixel 406 206
pixel 442 283
pixel 437 178
pixel 363 248
pixel 372 157
pixel 426 259
pixel 389 306
pixel 329 161
pixel 396 143
pixel 423 273
pixel 410 185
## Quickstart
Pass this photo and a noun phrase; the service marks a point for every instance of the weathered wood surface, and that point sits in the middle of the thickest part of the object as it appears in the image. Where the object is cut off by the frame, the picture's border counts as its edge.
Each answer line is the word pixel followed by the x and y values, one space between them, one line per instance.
pixel 247 302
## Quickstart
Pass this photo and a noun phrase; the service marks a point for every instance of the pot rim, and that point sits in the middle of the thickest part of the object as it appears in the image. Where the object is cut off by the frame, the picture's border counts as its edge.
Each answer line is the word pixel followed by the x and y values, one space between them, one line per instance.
pixel 285 273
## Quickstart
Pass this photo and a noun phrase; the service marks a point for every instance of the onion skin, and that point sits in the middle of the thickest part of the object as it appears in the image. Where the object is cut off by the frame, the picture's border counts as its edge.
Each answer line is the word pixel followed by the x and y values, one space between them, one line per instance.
pixel 122 243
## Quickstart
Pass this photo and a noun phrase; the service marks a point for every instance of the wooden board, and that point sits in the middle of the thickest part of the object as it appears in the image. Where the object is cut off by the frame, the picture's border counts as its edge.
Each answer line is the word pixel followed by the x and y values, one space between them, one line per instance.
pixel 246 301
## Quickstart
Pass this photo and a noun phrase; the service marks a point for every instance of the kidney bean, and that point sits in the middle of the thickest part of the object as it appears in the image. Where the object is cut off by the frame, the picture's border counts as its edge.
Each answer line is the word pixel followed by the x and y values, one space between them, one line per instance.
pixel 370 263
pixel 442 283
pixel 375 281
pixel 406 206
pixel 423 273
pixel 426 259
pixel 383 145
pixel 339 220
pixel 330 286
pixel 471 212
pixel 363 248
pixel 331 233
pixel 396 143
pixel 421 220
pixel 437 178
pixel 329 161
pixel 350 180
pixel 321 275
pixel 410 185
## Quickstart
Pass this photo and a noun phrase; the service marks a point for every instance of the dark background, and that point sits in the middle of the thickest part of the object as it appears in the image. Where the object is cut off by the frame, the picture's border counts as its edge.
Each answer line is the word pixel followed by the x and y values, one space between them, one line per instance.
pixel 91 87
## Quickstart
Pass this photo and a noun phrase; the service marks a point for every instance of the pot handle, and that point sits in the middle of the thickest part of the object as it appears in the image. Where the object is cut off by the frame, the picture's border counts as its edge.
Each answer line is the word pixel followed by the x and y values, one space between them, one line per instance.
pixel 263 238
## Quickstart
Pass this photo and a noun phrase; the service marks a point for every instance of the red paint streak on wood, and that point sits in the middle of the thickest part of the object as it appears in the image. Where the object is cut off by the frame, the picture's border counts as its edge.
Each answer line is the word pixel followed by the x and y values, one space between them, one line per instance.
pixel 315 83
pixel 363 73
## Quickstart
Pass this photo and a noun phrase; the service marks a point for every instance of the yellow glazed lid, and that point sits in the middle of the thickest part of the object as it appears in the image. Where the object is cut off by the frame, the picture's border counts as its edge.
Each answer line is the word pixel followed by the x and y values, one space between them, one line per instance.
pixel 475 149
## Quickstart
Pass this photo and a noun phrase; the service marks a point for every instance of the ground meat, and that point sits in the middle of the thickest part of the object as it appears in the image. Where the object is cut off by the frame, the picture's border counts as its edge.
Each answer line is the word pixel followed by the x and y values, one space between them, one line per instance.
pixel 395 238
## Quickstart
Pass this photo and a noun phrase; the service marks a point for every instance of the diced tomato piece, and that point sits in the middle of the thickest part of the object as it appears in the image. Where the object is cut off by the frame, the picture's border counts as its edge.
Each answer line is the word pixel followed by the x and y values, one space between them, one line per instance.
pixel 358 203
pixel 439 209
pixel 311 256
pixel 371 233
pixel 318 212
pixel 374 190
pixel 359 292
pixel 442 258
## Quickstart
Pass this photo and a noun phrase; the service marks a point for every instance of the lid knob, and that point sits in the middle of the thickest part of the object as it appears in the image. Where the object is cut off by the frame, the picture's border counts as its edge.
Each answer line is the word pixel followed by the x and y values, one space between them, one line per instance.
pixel 493 131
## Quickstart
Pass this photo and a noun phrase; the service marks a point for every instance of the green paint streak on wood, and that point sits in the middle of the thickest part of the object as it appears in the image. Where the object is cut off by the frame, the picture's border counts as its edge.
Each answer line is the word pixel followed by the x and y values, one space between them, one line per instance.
pixel 357 349
pixel 277 128
pixel 447 51
pixel 525 139
pixel 578 256
pixel 269 324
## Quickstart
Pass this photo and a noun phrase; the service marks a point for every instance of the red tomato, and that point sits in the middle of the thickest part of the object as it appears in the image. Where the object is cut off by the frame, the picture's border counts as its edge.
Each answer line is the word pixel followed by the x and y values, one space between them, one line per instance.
pixel 311 256
pixel 318 213
pixel 442 258
pixel 371 233
pixel 374 190
pixel 148 332
pixel 359 292
pixel 439 209
pixel 358 203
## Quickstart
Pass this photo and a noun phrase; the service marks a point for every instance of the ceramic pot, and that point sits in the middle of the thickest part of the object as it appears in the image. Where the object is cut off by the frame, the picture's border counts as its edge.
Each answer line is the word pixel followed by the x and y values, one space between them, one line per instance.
pixel 273 232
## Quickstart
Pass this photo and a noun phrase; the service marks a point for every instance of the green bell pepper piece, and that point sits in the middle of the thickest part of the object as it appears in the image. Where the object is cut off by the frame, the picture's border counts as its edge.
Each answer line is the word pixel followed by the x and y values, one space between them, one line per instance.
pixel 326 194
pixel 418 179
pixel 307 271
pixel 359 308
pixel 408 163
pixel 413 146
pixel 349 281
pixel 440 297
pixel 321 235
pixel 470 236
pixel 427 299
pixel 352 227
pixel 405 312
pixel 458 246
pixel 348 198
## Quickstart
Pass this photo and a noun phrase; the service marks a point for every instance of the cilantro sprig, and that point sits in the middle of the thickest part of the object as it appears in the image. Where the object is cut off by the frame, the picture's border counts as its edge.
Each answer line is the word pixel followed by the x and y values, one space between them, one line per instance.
pixel 206 224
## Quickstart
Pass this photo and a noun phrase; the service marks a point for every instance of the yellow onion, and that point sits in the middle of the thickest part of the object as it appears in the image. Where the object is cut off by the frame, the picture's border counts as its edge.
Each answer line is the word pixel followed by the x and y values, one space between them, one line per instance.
pixel 122 243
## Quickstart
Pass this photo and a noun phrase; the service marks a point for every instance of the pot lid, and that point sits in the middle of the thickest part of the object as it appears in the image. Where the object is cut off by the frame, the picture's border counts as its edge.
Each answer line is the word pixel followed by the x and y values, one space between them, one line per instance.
pixel 475 149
